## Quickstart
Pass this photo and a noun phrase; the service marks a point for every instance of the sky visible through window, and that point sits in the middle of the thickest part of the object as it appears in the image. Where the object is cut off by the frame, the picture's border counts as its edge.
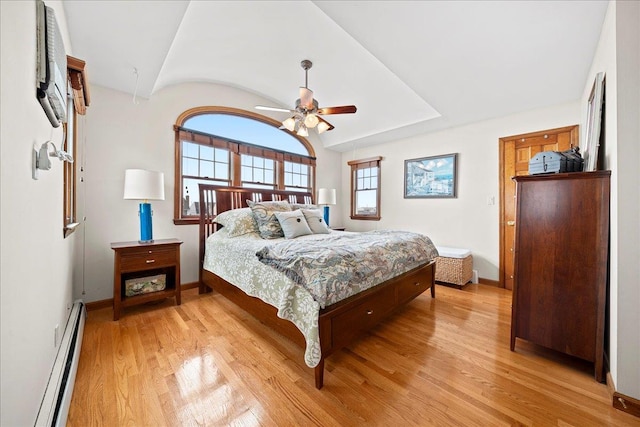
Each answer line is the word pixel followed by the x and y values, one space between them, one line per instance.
pixel 246 130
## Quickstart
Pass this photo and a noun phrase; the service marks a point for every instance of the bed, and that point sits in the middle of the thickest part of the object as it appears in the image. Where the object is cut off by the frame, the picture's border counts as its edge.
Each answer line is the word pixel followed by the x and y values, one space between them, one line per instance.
pixel 323 328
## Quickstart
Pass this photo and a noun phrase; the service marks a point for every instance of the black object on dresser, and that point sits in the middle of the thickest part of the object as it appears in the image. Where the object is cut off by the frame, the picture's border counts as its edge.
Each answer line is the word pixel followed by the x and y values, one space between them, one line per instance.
pixel 561 260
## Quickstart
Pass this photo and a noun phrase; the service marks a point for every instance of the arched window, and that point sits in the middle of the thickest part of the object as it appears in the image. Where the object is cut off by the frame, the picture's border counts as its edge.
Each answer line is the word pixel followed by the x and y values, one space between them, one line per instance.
pixel 227 146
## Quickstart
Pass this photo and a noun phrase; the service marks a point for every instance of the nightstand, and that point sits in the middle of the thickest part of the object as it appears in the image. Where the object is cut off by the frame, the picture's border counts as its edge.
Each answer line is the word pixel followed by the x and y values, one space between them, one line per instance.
pixel 136 262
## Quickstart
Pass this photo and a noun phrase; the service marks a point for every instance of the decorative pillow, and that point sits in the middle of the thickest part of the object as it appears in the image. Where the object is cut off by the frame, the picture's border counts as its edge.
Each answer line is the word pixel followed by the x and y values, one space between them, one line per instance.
pixel 293 224
pixel 316 221
pixel 268 224
pixel 295 206
pixel 237 221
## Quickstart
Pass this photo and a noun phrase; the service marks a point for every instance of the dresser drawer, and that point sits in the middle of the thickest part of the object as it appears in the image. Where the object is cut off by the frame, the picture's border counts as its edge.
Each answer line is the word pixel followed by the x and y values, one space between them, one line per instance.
pixel 145 259
pixel 411 286
pixel 363 317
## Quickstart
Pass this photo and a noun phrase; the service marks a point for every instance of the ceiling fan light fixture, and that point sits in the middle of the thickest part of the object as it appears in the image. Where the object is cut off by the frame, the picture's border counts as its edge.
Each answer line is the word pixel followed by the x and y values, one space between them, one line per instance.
pixel 323 127
pixel 302 131
pixel 307 114
pixel 311 120
pixel 290 124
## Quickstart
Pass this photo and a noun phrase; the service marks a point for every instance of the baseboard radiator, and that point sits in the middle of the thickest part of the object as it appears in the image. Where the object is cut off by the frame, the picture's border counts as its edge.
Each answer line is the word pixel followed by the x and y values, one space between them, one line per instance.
pixel 57 396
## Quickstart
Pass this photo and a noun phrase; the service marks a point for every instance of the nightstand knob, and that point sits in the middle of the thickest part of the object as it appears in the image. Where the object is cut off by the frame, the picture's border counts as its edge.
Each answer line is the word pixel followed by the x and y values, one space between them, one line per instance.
pixel 369 312
pixel 150 261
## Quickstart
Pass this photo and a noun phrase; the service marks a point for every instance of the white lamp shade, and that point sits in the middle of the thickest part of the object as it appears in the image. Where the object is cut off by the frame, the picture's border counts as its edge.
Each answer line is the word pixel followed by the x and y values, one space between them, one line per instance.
pixel 326 196
pixel 323 127
pixel 140 184
pixel 290 124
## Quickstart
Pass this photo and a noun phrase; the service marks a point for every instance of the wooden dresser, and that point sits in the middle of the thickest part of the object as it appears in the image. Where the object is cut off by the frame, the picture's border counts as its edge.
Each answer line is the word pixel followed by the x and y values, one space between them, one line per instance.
pixel 560 256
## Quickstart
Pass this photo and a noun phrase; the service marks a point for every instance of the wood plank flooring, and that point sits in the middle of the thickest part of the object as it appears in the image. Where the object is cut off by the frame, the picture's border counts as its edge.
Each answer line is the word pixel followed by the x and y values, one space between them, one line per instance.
pixel 443 361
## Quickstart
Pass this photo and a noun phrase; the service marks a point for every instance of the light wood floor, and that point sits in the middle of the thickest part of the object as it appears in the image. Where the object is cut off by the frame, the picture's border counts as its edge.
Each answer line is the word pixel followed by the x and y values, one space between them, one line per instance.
pixel 438 362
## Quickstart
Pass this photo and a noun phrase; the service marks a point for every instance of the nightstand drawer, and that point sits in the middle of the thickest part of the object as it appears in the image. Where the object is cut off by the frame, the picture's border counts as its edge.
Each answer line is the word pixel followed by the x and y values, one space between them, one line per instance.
pixel 147 259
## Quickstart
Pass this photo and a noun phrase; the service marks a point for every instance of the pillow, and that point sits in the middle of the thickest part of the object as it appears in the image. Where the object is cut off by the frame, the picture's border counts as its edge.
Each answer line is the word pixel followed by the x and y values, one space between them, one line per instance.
pixel 295 206
pixel 316 221
pixel 268 224
pixel 237 221
pixel 293 224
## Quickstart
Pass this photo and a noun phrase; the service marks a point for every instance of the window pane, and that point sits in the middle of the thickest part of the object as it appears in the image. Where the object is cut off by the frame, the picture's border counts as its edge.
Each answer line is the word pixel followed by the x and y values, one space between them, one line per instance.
pixel 360 173
pixel 190 167
pixel 206 169
pixel 268 164
pixel 269 177
pixel 189 149
pixel 206 152
pixel 287 179
pixel 221 155
pixel 287 166
pixel 222 170
pixel 247 173
pixel 366 202
pixel 258 175
pixel 360 184
pixel 191 195
pixel 374 172
pixel 247 130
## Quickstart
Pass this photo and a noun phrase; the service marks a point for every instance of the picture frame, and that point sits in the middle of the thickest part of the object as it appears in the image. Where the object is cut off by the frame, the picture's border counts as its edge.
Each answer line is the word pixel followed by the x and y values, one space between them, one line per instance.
pixel 594 125
pixel 431 177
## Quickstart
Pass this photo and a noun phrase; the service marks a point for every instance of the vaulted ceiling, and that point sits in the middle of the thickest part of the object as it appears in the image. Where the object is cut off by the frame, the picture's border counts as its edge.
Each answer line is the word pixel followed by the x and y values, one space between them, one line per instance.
pixel 409 66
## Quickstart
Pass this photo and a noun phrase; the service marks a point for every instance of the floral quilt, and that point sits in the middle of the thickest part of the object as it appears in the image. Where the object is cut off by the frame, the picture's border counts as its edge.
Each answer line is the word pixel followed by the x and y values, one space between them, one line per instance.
pixel 234 260
pixel 342 264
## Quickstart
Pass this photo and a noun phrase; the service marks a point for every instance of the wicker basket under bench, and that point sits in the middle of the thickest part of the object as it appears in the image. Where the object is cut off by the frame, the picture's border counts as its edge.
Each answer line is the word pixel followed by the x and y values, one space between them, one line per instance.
pixel 454 266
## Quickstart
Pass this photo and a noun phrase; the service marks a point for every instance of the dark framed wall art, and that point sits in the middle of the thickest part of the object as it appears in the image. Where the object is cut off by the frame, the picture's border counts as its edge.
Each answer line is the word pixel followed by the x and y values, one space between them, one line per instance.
pixel 430 177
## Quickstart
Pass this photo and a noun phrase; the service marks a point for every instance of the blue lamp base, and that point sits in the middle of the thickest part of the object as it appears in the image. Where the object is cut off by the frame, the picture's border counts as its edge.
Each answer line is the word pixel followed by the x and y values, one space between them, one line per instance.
pixel 146 227
pixel 326 215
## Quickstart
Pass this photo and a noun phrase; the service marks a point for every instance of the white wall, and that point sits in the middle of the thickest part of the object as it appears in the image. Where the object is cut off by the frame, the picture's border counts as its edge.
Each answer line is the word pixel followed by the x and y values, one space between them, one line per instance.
pixel 35 260
pixel 121 135
pixel 618 56
pixel 628 202
pixel 466 221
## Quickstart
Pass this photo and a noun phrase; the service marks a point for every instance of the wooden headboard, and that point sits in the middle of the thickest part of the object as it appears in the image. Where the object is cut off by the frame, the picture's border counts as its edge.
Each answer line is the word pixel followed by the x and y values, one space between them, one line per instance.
pixel 215 199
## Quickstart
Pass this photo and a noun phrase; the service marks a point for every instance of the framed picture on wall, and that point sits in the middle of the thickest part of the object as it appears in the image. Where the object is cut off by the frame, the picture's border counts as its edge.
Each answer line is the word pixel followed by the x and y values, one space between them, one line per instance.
pixel 594 124
pixel 430 177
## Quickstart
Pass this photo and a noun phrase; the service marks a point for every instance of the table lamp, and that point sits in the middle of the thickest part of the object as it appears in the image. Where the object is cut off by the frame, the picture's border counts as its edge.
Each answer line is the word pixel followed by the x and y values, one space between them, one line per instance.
pixel 326 196
pixel 140 184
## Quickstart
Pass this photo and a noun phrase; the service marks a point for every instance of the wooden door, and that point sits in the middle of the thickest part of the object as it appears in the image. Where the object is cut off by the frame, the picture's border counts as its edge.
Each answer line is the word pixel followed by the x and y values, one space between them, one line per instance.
pixel 515 153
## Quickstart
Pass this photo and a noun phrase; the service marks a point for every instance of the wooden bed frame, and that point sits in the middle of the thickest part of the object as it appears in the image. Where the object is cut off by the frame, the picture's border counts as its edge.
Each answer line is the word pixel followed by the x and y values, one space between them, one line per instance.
pixel 339 324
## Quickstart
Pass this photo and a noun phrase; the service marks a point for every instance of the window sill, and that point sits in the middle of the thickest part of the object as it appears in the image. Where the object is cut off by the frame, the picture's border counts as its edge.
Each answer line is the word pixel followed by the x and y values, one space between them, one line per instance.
pixel 186 221
pixel 366 218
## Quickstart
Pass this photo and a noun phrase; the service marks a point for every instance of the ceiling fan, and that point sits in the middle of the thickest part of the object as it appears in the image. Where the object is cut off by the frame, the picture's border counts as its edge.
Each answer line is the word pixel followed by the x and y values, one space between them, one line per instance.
pixel 306 114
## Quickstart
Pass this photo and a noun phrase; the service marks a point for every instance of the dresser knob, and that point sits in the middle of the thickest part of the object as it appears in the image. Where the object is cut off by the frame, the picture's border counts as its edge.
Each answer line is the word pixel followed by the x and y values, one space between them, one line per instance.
pixel 416 284
pixel 369 312
pixel 151 261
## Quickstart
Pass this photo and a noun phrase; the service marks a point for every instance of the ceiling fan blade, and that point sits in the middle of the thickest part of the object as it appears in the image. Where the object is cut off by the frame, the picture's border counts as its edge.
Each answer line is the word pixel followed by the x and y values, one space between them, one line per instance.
pixel 345 109
pixel 283 110
pixel 306 98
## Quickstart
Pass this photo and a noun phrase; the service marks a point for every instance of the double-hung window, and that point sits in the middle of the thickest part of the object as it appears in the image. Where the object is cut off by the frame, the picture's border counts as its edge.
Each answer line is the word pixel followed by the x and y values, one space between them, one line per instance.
pixel 365 188
pixel 77 103
pixel 226 146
